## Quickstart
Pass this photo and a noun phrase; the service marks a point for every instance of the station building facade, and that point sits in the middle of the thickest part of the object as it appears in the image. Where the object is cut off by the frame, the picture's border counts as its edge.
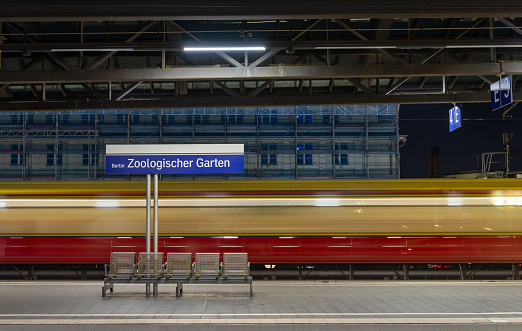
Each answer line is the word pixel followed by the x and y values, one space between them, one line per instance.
pixel 344 141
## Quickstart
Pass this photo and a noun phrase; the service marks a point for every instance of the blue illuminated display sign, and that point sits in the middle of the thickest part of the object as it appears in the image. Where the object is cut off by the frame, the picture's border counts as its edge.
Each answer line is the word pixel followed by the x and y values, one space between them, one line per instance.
pixel 174 164
pixel 455 118
pixel 501 92
pixel 174 159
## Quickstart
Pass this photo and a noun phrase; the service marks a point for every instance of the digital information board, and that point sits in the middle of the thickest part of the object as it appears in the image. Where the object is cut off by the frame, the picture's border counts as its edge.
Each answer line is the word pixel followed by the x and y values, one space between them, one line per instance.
pixel 501 92
pixel 175 159
pixel 455 118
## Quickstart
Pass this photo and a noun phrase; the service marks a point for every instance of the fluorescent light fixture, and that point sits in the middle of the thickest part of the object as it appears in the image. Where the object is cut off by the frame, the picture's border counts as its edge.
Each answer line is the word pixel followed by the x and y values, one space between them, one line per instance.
pixel 484 46
pixel 421 46
pixel 357 47
pixel 124 237
pixel 210 49
pixel 229 237
pixel 92 49
pixel 286 237
pixel 2 204
pixel 176 237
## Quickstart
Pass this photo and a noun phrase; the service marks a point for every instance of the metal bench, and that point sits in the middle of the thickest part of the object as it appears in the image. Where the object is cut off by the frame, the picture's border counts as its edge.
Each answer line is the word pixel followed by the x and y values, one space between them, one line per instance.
pixel 122 266
pixel 150 265
pixel 179 270
pixel 235 265
pixel 207 266
pixel 178 267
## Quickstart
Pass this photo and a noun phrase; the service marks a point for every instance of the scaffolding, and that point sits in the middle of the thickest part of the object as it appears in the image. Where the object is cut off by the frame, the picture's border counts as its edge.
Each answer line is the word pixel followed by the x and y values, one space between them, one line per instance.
pixel 343 141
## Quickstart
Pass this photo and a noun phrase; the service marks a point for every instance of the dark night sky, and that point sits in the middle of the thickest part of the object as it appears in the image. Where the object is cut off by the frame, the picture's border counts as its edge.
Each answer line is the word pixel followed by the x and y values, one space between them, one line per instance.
pixel 481 131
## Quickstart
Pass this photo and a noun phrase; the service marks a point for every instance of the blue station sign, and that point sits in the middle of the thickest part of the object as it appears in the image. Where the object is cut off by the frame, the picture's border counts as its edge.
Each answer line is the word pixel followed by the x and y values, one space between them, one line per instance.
pixel 455 118
pixel 175 159
pixel 501 92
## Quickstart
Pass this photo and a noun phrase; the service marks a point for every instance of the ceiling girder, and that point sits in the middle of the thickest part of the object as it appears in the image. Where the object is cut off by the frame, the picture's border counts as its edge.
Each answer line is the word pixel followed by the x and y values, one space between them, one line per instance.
pixel 262 73
pixel 107 55
pixel 134 10
pixel 301 100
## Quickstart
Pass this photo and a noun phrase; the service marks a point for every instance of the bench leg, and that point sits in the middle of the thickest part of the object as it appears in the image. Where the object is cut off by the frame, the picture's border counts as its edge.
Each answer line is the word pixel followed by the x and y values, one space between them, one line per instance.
pixel 107 286
pixel 155 289
pixel 251 290
pixel 179 289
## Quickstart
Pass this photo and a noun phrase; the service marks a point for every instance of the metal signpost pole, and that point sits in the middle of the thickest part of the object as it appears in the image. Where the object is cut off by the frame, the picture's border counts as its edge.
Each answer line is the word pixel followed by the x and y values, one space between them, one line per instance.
pixel 147 235
pixel 155 286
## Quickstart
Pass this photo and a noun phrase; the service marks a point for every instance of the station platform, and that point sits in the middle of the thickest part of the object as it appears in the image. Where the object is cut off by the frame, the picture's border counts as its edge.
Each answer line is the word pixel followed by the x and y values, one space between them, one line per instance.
pixel 278 305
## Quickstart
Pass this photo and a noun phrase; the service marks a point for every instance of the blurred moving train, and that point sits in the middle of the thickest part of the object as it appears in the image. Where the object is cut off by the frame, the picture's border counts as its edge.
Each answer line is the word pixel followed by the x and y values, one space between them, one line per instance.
pixel 291 221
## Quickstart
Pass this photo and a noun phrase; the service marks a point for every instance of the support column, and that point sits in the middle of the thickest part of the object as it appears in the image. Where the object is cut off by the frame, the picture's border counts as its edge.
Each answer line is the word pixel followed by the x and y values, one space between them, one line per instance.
pixel 155 286
pixel 56 144
pixel 295 144
pixel 24 146
pixel 332 119
pixel 147 235
pixel 366 156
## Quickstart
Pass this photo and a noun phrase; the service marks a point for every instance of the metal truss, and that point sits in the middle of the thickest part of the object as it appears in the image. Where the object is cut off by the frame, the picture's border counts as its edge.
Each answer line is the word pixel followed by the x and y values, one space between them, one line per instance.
pixel 47 133
pixel 56 57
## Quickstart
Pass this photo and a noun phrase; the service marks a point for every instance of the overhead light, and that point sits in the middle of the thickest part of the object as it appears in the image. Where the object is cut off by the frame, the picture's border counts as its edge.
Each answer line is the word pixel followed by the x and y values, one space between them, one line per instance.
pixel 357 47
pixel 240 48
pixel 420 46
pixel 92 49
pixel 485 46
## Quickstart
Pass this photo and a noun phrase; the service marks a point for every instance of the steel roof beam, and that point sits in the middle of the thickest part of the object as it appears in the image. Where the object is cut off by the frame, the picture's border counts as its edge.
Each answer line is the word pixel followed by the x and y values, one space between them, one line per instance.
pixel 134 10
pixel 107 55
pixel 262 73
pixel 509 22
pixel 300 100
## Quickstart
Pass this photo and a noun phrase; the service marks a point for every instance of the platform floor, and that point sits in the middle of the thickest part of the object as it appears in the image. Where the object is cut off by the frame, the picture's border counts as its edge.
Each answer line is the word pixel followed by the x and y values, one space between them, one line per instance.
pixel 327 305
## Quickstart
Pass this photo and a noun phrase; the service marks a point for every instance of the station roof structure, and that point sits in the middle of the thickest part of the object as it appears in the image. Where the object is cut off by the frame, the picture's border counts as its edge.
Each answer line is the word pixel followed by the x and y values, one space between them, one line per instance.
pixel 114 54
